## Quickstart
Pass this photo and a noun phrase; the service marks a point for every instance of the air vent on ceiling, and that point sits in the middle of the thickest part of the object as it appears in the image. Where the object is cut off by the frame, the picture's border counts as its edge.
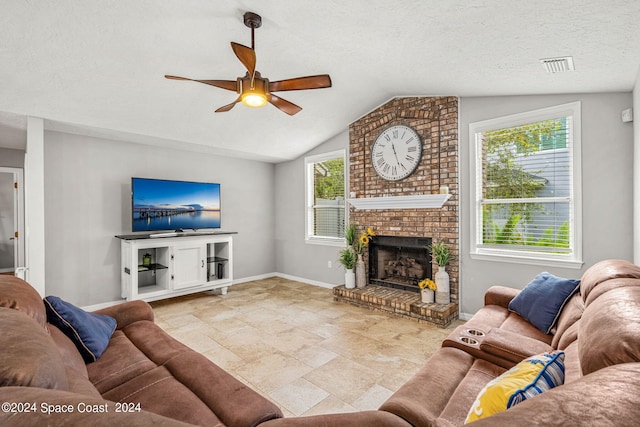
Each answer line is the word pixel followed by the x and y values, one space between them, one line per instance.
pixel 558 65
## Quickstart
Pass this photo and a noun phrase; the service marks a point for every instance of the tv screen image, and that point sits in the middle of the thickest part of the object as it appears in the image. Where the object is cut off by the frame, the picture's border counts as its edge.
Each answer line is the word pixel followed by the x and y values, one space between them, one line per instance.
pixel 159 204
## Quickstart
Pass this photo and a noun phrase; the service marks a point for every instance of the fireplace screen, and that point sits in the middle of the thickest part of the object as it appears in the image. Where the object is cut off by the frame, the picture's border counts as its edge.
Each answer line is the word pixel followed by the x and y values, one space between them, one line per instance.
pixel 399 262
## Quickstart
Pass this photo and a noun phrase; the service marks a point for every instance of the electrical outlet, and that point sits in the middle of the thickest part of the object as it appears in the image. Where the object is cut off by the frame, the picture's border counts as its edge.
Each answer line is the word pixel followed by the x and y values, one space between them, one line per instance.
pixel 329 264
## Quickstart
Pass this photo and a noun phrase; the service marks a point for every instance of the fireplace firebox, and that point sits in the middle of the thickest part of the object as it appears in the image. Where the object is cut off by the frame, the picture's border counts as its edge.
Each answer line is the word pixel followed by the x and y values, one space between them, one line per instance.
pixel 399 262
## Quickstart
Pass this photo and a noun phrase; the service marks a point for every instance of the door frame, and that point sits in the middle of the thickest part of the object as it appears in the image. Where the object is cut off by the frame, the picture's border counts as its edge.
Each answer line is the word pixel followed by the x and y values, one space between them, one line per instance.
pixel 18 215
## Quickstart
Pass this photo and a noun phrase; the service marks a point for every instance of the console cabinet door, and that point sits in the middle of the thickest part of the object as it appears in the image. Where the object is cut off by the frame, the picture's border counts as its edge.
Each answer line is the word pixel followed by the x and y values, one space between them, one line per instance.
pixel 189 265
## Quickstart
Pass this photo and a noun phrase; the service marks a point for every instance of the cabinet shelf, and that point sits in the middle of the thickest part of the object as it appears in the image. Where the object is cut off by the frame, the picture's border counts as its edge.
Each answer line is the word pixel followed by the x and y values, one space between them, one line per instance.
pixel 151 267
pixel 216 259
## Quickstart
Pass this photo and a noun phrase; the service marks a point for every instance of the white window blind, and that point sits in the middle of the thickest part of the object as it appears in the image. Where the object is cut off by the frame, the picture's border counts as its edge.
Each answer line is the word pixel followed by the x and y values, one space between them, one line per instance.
pixel 525 185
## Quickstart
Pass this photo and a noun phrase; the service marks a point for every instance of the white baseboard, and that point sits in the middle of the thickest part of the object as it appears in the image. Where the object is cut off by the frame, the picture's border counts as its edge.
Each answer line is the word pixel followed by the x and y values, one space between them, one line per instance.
pixel 100 306
pixel 285 276
pixel 252 278
pixel 95 307
pixel 465 316
pixel 307 281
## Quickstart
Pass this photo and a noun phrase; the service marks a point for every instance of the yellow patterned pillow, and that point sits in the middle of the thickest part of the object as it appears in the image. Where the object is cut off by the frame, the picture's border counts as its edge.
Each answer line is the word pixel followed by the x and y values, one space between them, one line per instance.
pixel 528 378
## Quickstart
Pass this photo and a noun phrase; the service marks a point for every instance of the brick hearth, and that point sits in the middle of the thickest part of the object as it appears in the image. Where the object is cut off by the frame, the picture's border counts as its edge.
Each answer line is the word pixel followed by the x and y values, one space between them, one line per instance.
pixel 398 302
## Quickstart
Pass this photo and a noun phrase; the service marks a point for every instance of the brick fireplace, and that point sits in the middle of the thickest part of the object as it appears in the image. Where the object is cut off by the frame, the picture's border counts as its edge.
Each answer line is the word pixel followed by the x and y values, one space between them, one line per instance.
pixel 435 119
pixel 399 262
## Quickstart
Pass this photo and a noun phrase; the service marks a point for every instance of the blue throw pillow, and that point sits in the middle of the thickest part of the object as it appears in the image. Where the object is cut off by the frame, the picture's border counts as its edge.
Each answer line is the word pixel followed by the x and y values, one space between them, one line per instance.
pixel 543 299
pixel 89 332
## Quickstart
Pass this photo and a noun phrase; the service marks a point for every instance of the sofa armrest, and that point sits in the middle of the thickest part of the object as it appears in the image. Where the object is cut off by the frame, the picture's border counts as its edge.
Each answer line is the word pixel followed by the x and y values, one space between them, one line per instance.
pixel 500 295
pixel 36 407
pixel 129 312
pixel 580 403
pixel 512 346
pixel 352 419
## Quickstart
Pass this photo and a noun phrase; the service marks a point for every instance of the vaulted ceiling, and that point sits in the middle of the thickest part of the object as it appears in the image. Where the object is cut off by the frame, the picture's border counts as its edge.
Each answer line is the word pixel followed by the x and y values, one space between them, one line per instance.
pixel 96 67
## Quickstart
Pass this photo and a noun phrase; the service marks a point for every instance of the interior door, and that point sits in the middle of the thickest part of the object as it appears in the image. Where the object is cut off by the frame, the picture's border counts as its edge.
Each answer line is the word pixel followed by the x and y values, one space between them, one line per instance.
pixel 11 236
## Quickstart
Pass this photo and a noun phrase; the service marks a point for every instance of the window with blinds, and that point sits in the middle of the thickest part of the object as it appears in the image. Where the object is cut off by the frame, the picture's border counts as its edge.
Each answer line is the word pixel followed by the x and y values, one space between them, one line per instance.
pixel 527 169
pixel 325 195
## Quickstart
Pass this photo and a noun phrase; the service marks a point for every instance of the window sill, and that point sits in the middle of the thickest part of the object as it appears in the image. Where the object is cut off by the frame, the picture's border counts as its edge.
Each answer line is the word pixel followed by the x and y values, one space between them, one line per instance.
pixel 325 241
pixel 526 259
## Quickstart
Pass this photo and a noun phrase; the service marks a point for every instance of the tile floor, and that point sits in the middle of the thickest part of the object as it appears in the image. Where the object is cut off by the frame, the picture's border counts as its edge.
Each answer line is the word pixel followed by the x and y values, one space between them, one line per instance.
pixel 293 344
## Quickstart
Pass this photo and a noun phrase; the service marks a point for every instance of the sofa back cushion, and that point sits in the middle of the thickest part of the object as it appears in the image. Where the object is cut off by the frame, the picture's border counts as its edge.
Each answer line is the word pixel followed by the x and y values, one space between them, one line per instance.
pixel 610 330
pixel 565 333
pixel 29 356
pixel 606 275
pixel 17 294
pixel 68 351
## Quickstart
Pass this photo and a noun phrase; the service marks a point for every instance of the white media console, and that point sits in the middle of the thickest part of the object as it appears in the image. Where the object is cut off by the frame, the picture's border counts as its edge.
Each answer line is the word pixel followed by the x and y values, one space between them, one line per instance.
pixel 166 265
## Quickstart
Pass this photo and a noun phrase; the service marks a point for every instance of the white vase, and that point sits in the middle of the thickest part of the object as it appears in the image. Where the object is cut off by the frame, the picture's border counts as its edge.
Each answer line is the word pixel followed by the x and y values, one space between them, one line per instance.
pixel 349 279
pixel 361 276
pixel 442 280
pixel 427 296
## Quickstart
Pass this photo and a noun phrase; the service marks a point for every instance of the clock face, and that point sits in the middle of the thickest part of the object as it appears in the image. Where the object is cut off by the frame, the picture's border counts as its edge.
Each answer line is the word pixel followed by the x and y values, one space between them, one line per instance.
pixel 396 152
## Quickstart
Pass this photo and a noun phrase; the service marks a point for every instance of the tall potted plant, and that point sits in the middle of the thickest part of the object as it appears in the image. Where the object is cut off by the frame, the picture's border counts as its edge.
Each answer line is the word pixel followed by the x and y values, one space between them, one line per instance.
pixel 441 255
pixel 348 260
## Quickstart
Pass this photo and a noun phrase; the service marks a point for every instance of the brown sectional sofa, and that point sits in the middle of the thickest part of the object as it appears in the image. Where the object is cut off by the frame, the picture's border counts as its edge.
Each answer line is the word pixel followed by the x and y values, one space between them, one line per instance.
pixel 142 364
pixel 598 330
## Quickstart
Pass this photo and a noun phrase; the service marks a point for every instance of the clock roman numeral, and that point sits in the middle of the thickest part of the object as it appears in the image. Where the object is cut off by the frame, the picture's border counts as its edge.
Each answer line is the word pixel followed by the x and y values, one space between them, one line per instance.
pixel 410 158
pixel 412 149
pixel 381 161
pixel 395 133
pixel 408 140
pixel 387 137
pixel 386 167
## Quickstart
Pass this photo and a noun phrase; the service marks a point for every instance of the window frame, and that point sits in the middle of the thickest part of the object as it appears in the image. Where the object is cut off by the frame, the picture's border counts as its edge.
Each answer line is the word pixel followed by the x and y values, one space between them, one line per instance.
pixel 309 163
pixel 523 256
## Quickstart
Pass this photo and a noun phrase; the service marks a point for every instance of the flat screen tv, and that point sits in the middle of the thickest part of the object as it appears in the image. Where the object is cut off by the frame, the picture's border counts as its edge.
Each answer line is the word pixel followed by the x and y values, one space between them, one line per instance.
pixel 159 204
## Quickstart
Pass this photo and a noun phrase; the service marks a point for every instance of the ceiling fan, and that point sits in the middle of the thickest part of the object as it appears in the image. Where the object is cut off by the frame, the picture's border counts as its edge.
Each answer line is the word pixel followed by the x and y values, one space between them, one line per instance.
pixel 254 90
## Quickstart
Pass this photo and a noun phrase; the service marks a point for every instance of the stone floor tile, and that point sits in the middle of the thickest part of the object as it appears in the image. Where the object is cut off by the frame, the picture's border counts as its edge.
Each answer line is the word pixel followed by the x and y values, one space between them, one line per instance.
pixel 373 398
pixel 298 396
pixel 292 343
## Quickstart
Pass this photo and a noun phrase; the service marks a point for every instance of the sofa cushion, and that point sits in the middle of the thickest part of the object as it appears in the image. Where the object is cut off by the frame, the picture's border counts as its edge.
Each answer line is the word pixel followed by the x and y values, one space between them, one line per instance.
pixel 29 357
pixel 542 300
pixel 593 280
pixel 610 330
pixel 528 378
pixel 570 315
pixel 159 392
pixel 18 295
pixel 422 399
pixel 89 332
pixel 605 398
pixel 68 351
pixel 120 362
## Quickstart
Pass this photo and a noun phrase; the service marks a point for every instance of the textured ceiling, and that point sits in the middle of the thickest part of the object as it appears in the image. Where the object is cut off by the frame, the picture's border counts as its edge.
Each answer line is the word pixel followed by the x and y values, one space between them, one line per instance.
pixel 96 66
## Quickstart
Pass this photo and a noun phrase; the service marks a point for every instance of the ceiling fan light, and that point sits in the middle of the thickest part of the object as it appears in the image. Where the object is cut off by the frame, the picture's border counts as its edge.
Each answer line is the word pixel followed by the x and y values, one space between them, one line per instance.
pixel 254 99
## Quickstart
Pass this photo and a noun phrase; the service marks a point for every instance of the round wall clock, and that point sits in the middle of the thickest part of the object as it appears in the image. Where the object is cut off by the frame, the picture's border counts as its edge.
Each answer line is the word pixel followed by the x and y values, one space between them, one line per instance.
pixel 396 152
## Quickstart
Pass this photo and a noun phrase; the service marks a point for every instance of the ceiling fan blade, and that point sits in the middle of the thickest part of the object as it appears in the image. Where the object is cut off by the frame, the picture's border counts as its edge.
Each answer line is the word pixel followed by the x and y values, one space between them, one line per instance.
pixel 288 107
pixel 224 84
pixel 227 107
pixel 300 83
pixel 246 55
